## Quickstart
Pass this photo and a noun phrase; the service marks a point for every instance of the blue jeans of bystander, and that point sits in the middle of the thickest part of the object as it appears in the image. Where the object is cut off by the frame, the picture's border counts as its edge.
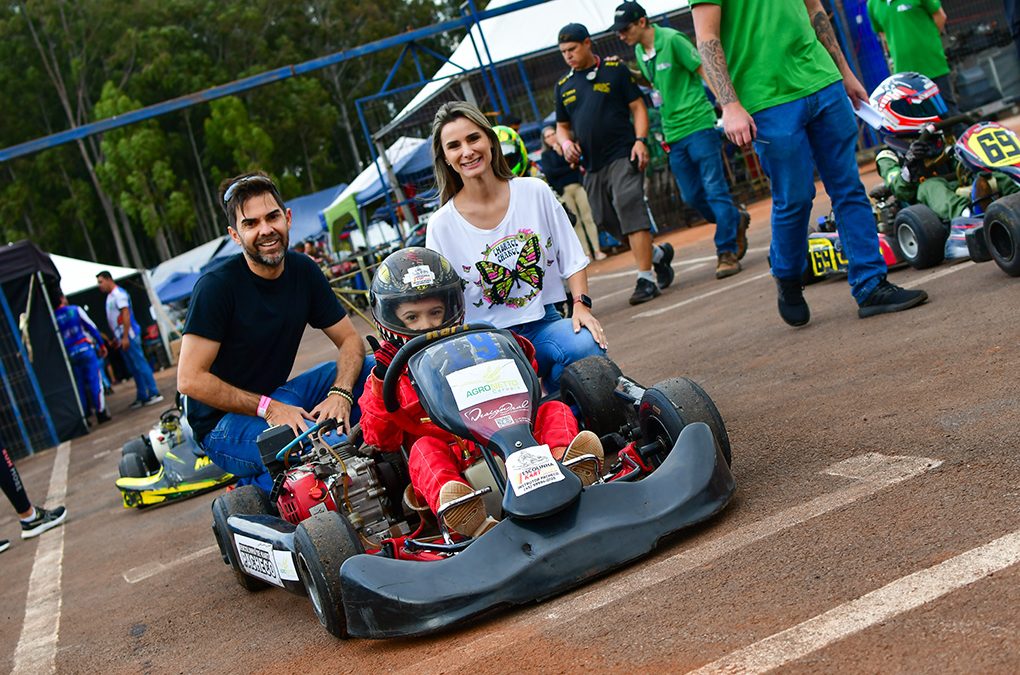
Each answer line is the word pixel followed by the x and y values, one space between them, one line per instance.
pixel 136 362
pixel 697 165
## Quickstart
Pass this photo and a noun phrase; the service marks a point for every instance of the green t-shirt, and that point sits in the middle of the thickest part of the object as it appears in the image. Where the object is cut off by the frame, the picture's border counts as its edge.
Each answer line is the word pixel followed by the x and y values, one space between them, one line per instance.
pixel 911 34
pixel 772 51
pixel 673 70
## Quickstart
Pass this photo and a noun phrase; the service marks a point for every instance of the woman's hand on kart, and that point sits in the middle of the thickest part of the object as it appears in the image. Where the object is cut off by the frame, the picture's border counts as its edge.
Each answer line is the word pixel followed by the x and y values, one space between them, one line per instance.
pixel 583 317
pixel 294 417
pixel 738 124
pixel 334 407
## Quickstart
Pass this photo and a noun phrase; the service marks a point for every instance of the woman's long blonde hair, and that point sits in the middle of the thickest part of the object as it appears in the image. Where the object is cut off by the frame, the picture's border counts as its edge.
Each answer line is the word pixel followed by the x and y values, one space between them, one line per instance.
pixel 448 181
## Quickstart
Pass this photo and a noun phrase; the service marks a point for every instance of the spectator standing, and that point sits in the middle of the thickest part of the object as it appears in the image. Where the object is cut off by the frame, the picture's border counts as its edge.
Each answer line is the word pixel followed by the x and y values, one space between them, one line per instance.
pixel 126 330
pixel 788 94
pixel 670 62
pixel 911 33
pixel 34 519
pixel 595 102
pixel 75 330
pixel 565 180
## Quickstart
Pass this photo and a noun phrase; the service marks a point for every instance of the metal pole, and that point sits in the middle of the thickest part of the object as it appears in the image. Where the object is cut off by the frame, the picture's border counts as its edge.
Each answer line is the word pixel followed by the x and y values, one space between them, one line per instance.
pixel 527 89
pixel 495 71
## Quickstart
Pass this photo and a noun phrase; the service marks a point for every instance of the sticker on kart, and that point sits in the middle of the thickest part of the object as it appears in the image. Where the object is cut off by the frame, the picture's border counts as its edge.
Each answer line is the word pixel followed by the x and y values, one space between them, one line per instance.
pixel 260 560
pixel 995 146
pixel 484 382
pixel 532 468
pixel 825 257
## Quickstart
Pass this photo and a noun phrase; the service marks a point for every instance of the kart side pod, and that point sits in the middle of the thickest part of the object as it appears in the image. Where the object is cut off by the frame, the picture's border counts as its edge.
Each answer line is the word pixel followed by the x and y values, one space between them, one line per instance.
pixel 521 561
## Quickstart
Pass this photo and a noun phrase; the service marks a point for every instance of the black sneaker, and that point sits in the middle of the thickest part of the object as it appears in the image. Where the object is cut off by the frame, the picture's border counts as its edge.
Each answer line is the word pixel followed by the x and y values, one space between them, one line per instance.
pixel 4 545
pixel 136 404
pixel 792 306
pixel 153 400
pixel 102 416
pixel 644 291
pixel 890 298
pixel 44 520
pixel 663 269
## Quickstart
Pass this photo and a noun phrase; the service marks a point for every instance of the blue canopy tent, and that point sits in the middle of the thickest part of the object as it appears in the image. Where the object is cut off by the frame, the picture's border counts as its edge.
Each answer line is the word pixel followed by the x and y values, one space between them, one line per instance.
pixel 177 287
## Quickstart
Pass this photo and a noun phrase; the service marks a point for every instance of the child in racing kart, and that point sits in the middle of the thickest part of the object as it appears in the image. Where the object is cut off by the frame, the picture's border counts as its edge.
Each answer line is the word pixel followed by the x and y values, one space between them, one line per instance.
pixel 918 167
pixel 416 290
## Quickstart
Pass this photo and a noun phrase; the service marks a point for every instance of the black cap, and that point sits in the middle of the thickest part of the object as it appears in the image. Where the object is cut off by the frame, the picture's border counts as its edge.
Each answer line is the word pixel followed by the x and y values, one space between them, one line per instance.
pixel 626 14
pixel 573 32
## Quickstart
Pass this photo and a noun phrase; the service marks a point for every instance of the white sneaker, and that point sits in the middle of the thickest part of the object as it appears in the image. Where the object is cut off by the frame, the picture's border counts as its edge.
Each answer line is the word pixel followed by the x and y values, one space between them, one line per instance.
pixel 154 400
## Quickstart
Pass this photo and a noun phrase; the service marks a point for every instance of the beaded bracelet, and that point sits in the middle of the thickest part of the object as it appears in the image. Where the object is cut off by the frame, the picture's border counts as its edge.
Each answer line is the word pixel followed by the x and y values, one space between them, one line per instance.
pixel 339 391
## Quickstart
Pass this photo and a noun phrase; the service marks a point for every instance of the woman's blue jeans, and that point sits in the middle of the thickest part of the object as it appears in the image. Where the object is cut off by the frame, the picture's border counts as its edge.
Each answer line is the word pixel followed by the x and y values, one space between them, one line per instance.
pixel 556 345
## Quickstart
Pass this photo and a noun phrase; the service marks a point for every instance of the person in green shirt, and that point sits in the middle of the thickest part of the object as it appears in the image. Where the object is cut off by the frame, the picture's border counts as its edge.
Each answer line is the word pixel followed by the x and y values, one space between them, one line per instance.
pixel 910 31
pixel 671 64
pixel 783 84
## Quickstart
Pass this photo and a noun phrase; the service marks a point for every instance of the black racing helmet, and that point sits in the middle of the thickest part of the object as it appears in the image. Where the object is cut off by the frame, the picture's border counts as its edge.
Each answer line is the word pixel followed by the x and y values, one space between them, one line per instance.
pixel 907 102
pixel 409 274
pixel 514 152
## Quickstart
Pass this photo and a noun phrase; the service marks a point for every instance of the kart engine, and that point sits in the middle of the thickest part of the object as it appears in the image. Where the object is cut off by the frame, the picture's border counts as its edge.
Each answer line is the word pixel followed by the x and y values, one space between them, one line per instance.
pixel 366 490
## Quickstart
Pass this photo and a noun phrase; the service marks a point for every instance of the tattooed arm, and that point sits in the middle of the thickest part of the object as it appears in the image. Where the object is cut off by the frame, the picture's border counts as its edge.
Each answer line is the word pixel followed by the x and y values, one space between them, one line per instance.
pixel 739 126
pixel 823 29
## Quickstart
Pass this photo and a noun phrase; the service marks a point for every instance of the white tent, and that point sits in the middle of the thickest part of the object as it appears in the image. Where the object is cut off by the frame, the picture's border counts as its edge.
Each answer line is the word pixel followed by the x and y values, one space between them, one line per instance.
pixel 400 148
pixel 527 31
pixel 189 261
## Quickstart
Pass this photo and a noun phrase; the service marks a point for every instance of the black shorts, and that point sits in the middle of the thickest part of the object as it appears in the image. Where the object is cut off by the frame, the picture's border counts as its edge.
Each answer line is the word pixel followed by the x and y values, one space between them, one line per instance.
pixel 617 196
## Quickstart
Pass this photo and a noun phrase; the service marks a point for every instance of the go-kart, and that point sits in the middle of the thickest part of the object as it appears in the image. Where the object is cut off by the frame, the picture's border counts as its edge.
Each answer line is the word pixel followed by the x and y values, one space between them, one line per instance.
pixel 336 529
pixel 166 465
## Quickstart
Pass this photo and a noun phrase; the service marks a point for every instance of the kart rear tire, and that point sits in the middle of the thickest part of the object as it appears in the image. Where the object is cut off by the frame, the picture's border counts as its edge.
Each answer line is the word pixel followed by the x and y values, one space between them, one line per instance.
pixel 589 384
pixel 322 543
pixel 672 404
pixel 139 445
pixel 132 466
pixel 922 236
pixel 1002 233
pixel 247 500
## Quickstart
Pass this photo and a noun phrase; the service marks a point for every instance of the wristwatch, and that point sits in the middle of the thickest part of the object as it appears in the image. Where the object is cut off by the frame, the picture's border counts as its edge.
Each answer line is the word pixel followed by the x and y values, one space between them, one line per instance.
pixel 584 300
pixel 643 139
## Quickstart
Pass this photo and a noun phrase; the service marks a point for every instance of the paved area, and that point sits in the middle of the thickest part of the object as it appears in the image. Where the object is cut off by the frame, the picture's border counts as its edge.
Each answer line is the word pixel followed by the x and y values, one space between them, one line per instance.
pixel 875 527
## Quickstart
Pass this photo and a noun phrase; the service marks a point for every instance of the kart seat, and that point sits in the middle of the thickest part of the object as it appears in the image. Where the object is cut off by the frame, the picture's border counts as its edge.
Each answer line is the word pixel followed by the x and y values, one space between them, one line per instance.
pixel 186 426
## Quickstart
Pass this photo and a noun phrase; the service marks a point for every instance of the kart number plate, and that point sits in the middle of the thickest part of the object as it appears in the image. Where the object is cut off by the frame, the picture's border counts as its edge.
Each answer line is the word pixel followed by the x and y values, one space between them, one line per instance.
pixel 826 258
pixel 257 559
pixel 486 381
pixel 532 468
pixel 995 146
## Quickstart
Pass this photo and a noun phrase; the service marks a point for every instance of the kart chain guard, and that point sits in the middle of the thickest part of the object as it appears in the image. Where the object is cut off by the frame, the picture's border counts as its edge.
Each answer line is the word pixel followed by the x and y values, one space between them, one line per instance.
pixel 520 561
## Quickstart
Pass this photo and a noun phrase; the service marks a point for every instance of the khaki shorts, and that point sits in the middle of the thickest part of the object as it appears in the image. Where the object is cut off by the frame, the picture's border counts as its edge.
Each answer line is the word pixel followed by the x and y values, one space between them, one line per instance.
pixel 617 196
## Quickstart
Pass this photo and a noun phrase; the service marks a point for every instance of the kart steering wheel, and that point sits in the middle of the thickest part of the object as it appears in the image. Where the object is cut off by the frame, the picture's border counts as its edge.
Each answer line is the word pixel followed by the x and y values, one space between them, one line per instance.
pixel 412 347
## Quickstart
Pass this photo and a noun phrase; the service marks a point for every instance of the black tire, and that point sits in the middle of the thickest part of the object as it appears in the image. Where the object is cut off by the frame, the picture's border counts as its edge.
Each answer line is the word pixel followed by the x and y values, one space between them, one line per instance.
pixel 1002 233
pixel 922 236
pixel 139 445
pixel 589 384
pixel 323 542
pixel 131 466
pixel 671 405
pixel 247 500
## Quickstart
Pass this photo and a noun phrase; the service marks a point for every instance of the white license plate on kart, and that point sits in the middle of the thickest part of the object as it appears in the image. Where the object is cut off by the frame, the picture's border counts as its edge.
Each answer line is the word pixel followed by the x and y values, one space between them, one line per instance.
pixel 258 559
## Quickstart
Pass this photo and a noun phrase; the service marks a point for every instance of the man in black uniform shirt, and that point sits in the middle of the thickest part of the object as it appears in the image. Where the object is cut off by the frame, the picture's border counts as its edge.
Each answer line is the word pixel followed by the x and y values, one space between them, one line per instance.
pixel 243 331
pixel 594 105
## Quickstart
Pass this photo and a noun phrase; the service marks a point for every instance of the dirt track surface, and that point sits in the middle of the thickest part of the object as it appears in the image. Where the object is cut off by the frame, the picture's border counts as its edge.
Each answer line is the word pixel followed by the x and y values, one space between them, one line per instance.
pixel 802 538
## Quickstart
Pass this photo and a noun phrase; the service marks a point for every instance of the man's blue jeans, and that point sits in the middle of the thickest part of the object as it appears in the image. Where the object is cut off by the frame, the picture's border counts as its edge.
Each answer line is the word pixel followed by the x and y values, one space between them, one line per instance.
pixel 231 443
pixel 141 372
pixel 697 165
pixel 556 345
pixel 817 131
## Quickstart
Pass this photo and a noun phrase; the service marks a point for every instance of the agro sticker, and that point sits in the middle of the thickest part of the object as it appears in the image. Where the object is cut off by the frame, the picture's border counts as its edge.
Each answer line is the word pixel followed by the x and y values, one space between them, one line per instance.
pixel 531 468
pixel 419 276
pixel 285 564
pixel 485 381
pixel 256 558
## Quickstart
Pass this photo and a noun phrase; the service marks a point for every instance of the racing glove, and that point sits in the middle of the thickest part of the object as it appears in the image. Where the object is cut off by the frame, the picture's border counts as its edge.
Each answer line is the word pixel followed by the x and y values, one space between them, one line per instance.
pixel 384 352
pixel 914 161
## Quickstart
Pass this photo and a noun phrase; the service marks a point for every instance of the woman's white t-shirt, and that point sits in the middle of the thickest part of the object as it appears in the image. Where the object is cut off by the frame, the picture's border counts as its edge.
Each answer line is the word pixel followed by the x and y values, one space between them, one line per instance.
pixel 515 269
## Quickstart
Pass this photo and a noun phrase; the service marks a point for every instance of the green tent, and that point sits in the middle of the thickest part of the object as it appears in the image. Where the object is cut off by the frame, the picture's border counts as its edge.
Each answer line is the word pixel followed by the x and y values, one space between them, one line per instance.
pixel 339 217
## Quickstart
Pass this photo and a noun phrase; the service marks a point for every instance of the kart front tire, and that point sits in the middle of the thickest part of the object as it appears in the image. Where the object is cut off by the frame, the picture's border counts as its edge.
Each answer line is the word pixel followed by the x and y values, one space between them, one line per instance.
pixel 922 236
pixel 1002 233
pixel 131 466
pixel 139 445
pixel 672 404
pixel 247 500
pixel 322 543
pixel 588 384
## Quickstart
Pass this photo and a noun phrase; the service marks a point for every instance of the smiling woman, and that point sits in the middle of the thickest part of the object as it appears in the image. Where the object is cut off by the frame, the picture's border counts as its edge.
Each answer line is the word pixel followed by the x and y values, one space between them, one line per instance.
pixel 507 237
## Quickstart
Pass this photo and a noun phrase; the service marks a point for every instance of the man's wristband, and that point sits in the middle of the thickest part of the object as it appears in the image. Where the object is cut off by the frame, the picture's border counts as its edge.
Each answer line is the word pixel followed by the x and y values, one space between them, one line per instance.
pixel 263 406
pixel 642 139
pixel 565 144
pixel 340 391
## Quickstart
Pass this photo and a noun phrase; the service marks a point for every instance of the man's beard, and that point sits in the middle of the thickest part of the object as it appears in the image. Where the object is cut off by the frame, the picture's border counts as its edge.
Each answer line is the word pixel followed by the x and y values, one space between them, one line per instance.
pixel 261 258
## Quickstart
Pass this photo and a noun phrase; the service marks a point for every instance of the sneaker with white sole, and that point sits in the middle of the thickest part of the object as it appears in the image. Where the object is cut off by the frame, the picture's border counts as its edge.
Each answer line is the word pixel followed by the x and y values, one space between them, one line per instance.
pixel 45 519
pixel 4 545
pixel 464 518
pixel 585 443
pixel 136 404
pixel 153 400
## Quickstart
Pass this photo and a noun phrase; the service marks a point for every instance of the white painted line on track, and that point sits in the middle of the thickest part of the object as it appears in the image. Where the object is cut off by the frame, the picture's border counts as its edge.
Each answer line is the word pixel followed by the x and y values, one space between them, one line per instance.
pixel 677 265
pixel 882 604
pixel 103 453
pixel 142 572
pixel 603 296
pixel 696 298
pixel 873 472
pixel 37 646
pixel 939 273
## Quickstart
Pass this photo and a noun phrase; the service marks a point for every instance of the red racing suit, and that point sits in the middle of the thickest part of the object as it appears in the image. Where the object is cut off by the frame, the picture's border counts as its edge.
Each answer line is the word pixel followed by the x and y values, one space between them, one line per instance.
pixel 437 456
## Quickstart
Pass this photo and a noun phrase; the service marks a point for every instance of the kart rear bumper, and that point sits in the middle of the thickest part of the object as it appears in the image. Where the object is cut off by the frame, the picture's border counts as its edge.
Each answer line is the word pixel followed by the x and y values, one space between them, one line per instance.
pixel 523 561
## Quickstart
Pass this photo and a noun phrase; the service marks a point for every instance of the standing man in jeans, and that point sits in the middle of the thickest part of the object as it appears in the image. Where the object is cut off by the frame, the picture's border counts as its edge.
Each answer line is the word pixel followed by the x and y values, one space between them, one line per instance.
pixel 596 101
pixel 670 63
pixel 783 83
pixel 125 329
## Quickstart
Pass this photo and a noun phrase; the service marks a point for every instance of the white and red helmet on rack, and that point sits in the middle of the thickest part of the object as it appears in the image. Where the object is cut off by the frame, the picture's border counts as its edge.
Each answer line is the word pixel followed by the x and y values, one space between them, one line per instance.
pixel 907 102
